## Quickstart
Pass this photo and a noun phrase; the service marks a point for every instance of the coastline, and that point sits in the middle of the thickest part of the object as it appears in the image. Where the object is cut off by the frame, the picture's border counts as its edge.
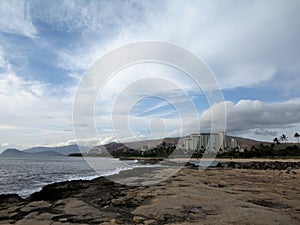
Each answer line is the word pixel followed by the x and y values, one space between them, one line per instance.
pixel 241 159
pixel 190 196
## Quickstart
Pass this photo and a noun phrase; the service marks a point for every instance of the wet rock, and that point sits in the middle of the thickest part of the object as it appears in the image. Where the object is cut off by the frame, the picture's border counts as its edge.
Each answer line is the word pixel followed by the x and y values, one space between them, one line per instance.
pixel 10 199
pixel 58 191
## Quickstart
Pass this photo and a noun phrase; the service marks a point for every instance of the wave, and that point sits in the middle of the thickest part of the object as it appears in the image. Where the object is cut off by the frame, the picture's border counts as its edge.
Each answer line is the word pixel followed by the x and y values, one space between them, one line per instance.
pixel 24 184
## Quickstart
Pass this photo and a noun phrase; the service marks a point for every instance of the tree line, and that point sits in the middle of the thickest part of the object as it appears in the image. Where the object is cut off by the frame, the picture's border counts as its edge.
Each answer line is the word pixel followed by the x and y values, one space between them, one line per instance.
pixel 284 139
pixel 261 151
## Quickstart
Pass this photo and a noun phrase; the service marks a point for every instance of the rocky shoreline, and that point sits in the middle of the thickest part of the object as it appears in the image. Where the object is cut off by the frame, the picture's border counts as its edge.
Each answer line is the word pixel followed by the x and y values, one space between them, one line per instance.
pixel 260 165
pixel 231 193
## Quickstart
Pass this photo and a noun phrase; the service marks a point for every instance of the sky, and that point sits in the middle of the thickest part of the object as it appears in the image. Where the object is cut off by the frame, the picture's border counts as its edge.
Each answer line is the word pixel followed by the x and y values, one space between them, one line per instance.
pixel 47 47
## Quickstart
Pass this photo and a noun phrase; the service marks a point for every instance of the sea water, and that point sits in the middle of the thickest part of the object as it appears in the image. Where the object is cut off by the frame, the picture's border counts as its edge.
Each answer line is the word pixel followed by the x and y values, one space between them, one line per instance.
pixel 24 176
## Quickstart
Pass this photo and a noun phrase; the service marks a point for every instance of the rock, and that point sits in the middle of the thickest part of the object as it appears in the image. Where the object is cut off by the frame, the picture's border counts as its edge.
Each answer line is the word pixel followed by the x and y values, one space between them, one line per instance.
pixel 111 222
pixel 35 205
pixel 45 216
pixel 183 199
pixel 150 222
pixel 119 201
pixel 10 199
pixel 81 209
pixel 12 214
pixel 272 165
pixel 31 215
pixel 5 222
pixel 32 222
pixel 63 220
pixel 138 219
pixel 59 191
pixel 194 210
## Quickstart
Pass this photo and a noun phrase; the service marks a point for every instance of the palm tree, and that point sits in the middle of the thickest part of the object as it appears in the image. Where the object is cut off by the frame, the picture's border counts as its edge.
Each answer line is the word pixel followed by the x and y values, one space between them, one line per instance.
pixel 297 136
pixel 283 138
pixel 276 141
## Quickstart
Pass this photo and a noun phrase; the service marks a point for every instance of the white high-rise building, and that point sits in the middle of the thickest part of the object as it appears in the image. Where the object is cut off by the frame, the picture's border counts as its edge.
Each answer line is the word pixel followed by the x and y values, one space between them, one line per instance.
pixel 205 141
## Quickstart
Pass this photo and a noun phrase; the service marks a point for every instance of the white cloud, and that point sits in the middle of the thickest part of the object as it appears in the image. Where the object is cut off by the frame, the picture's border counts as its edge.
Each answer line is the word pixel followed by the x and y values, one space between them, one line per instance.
pixel 243 44
pixel 92 16
pixel 7 127
pixel 31 113
pixel 16 18
pixel 248 75
pixel 5 66
pixel 4 144
pixel 87 142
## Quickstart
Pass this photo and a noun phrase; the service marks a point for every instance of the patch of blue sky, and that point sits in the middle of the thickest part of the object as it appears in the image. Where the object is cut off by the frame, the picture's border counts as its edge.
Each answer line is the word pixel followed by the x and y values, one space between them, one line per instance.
pixel 153 107
pixel 159 107
pixel 278 89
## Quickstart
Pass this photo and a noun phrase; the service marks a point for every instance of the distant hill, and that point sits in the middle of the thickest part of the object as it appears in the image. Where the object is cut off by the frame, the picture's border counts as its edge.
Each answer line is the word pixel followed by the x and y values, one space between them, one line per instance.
pixel 111 147
pixel 64 150
pixel 248 143
pixel 12 152
pixel 150 144
pixel 137 145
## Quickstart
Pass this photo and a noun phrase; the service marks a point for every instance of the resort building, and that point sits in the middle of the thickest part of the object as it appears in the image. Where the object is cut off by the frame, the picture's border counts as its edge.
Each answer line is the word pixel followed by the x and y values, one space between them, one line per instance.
pixel 208 141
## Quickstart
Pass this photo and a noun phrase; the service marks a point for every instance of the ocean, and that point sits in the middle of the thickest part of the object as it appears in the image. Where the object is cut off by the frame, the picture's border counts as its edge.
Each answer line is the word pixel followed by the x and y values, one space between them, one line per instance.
pixel 24 176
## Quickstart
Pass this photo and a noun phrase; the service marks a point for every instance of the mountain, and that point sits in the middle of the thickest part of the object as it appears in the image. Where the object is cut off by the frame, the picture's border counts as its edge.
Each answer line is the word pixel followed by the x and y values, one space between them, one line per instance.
pixel 64 150
pixel 137 145
pixel 150 144
pixel 248 143
pixel 111 147
pixel 12 152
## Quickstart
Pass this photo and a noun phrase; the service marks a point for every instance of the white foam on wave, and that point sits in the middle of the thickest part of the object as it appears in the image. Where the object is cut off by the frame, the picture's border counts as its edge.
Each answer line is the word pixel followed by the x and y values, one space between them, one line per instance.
pixel 128 165
pixel 27 192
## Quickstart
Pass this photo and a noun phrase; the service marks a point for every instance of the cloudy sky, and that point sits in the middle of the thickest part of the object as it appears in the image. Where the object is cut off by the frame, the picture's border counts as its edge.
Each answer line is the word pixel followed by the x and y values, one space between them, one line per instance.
pixel 46 48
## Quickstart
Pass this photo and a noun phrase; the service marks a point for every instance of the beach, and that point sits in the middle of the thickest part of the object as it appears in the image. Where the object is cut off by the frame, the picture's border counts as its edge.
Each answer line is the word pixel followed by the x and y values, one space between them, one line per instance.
pixel 216 195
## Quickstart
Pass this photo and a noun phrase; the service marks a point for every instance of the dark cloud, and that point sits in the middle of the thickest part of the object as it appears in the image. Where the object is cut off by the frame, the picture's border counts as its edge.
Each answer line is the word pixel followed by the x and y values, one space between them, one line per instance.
pixel 247 115
pixel 265 133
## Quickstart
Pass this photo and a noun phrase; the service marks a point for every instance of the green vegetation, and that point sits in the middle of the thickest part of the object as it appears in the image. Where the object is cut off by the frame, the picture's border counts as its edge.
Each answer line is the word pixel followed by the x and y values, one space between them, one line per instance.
pixel 160 151
pixel 283 138
pixel 262 151
pixel 297 136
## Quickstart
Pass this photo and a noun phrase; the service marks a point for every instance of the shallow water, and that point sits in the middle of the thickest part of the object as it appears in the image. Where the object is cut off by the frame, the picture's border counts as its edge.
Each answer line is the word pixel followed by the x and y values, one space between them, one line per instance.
pixel 27 175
